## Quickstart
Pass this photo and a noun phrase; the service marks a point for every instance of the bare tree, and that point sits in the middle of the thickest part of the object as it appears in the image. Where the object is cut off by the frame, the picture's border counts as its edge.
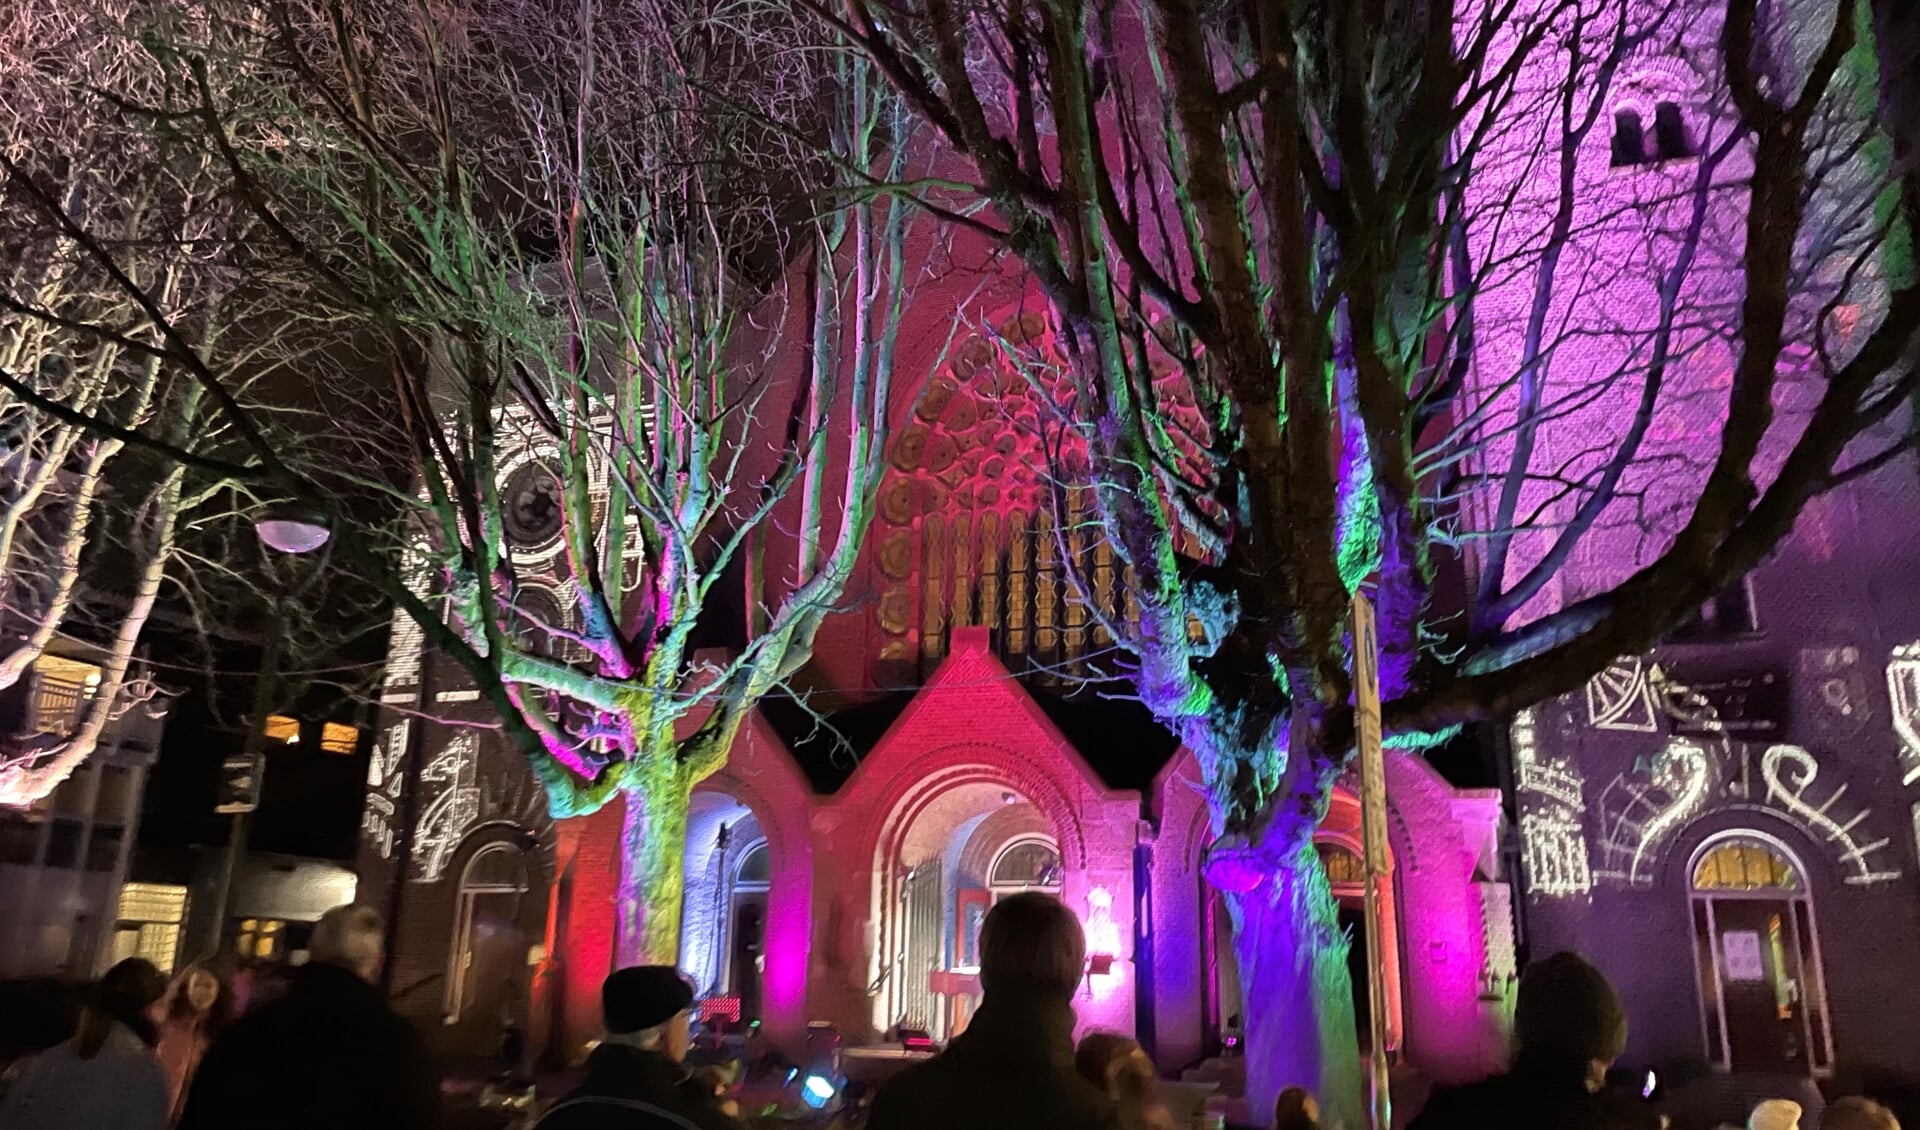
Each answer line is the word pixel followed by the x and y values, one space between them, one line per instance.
pixel 604 251
pixel 1343 301
pixel 87 533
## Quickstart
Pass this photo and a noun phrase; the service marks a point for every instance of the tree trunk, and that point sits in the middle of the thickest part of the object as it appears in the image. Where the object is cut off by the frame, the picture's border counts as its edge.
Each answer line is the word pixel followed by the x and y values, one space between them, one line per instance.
pixel 653 852
pixel 1297 996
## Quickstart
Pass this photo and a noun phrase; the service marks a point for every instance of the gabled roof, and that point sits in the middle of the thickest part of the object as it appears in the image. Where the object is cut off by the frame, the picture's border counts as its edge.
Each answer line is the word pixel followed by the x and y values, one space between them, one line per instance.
pixel 1116 738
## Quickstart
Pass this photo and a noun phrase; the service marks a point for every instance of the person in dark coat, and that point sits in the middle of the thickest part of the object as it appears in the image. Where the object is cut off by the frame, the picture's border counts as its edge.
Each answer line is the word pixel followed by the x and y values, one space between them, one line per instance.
pixel 330 1055
pixel 1013 1068
pixel 637 1078
pixel 1568 1028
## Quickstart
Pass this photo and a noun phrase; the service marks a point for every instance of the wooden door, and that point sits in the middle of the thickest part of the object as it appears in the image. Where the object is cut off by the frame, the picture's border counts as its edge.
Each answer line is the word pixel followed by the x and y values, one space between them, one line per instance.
pixel 1762 985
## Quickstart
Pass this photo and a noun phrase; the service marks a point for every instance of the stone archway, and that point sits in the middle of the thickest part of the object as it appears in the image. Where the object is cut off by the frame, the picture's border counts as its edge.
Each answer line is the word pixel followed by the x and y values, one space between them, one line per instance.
pixel 930 889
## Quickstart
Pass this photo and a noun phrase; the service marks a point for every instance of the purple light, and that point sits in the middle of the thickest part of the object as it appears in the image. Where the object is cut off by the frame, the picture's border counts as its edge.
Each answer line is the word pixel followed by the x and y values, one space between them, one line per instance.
pixel 1234 867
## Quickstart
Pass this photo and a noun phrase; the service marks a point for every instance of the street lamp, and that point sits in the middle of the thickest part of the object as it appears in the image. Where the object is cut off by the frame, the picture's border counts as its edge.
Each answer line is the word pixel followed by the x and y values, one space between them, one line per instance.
pixel 293 532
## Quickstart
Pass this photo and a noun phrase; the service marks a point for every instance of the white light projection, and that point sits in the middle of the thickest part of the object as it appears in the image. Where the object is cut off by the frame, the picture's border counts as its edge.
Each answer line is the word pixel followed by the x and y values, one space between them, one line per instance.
pixel 1553 842
pixel 451 806
pixel 1640 810
pixel 1621 698
pixel 1903 688
pixel 1789 772
pixel 1644 807
pixel 383 789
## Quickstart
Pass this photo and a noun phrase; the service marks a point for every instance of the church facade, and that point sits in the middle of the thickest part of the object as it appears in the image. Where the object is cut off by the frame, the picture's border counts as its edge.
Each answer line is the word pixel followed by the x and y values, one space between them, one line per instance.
pixel 838 872
pixel 1727 825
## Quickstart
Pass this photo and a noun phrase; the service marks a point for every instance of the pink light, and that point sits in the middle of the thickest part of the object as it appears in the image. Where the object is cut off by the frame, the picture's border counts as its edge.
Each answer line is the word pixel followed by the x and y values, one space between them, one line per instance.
pixel 1103 937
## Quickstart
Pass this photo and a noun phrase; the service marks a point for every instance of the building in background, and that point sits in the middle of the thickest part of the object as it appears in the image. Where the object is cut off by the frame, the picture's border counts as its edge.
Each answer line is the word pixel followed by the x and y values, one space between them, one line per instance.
pixel 1725 825
pixel 840 873
pixel 64 859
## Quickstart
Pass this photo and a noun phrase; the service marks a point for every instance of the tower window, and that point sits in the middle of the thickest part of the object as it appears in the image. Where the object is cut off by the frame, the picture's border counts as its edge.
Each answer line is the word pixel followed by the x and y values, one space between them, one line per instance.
pixel 1670 139
pixel 1629 139
pixel 1669 142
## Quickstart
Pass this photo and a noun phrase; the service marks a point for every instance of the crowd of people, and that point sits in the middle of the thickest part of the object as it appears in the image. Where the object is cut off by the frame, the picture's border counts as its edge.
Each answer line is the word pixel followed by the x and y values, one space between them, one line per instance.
pixel 322 1050
pixel 317 1050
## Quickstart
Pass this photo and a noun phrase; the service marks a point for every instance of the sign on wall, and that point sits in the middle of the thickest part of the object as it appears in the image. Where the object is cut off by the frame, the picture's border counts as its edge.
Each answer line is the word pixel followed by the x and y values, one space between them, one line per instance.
pixel 1740 956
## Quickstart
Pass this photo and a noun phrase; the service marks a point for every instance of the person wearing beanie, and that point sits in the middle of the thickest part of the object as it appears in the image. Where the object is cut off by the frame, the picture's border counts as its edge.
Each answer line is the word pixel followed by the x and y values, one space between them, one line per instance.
pixel 1013 1068
pixel 1568 1028
pixel 637 1078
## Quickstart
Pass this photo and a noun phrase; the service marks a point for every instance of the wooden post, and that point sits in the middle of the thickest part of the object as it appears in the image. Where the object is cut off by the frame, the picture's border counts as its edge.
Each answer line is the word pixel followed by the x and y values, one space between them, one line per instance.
pixel 1373 818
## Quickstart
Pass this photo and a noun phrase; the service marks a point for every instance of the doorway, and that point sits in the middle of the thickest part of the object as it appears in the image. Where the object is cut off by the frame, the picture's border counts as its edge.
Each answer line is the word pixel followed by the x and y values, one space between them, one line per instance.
pixel 747 930
pixel 487 973
pixel 1346 877
pixel 1757 958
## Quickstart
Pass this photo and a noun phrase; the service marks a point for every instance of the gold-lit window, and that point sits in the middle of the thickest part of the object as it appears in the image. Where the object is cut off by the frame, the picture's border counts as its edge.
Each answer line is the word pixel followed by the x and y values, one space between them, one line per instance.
pixel 1344 868
pixel 259 937
pixel 338 737
pixel 61 688
pixel 150 918
pixel 1744 865
pixel 282 730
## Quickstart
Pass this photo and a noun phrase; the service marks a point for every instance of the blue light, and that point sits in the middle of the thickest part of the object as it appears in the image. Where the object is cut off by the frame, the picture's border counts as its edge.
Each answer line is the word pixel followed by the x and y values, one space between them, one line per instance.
pixel 816 1091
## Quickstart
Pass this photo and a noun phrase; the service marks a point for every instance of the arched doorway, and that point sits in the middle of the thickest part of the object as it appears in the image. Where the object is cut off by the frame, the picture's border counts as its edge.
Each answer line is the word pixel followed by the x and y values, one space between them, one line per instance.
pixel 951 854
pixel 746 928
pixel 1346 876
pixel 487 971
pixel 1757 957
pixel 729 880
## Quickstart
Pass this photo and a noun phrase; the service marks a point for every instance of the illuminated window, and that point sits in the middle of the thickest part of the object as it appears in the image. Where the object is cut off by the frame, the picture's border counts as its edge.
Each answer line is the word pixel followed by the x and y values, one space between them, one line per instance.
pixel 259 937
pixel 282 730
pixel 61 687
pixel 1344 868
pixel 340 738
pixel 150 918
pixel 1744 865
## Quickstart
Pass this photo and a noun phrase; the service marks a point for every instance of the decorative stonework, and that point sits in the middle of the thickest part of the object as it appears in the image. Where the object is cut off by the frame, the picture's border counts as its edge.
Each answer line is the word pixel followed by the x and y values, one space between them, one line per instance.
pixel 978 516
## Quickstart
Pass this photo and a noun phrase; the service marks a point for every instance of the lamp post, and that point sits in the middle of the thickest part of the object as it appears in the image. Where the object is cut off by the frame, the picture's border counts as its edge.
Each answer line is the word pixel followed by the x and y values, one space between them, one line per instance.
pixel 294 533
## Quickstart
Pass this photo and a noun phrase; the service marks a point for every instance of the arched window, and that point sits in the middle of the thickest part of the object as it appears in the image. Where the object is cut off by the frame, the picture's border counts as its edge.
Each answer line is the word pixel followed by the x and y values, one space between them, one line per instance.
pixel 1025 865
pixel 1670 140
pixel 1629 138
pixel 1757 958
pixel 1344 867
pixel 489 950
pixel 755 869
pixel 1740 864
